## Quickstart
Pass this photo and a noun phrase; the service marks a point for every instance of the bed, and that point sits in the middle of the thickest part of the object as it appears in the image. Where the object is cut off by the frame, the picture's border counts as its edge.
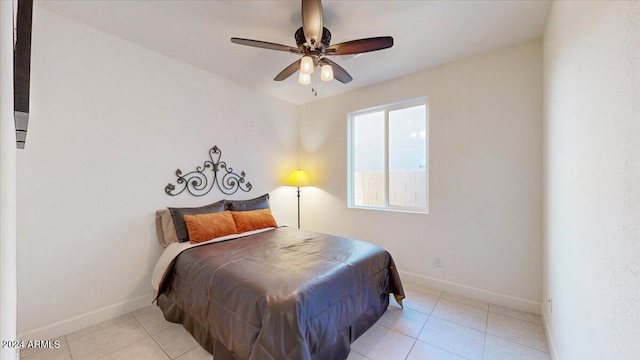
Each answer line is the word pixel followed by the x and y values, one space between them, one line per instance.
pixel 276 292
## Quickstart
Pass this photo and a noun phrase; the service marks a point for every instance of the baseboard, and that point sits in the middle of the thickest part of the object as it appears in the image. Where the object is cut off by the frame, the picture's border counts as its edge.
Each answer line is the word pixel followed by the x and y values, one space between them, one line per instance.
pixel 476 293
pixel 547 332
pixel 91 318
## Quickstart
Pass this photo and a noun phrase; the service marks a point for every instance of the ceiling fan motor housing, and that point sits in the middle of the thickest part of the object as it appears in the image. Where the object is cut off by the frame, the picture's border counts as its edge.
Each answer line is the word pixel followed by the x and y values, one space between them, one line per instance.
pixel 300 39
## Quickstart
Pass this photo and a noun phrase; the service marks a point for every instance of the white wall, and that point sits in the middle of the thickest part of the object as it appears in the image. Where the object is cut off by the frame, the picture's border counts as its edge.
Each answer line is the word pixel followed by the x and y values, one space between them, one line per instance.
pixel 485 176
pixel 110 123
pixel 592 179
pixel 8 270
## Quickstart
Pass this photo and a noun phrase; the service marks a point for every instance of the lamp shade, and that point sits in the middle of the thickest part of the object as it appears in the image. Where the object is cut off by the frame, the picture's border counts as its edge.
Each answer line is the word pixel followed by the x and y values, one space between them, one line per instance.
pixel 304 79
pixel 299 178
pixel 326 73
pixel 306 65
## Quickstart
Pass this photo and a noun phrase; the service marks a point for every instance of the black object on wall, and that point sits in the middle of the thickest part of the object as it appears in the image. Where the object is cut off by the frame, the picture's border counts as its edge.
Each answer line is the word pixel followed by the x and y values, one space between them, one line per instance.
pixel 22 70
pixel 212 173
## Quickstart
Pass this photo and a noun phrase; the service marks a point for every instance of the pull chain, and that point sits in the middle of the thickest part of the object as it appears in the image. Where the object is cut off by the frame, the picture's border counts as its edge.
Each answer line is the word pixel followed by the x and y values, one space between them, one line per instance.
pixel 314 82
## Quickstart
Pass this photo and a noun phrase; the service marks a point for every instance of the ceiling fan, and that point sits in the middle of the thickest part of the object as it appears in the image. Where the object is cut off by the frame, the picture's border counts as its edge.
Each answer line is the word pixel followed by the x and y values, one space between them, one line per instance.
pixel 313 41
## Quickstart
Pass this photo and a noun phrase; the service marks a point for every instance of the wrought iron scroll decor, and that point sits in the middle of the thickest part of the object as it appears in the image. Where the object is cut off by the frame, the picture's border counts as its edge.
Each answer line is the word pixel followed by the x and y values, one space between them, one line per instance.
pixel 213 172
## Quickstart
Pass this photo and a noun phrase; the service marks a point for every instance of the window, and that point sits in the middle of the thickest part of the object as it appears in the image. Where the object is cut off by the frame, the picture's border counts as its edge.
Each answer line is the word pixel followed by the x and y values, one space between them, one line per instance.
pixel 388 158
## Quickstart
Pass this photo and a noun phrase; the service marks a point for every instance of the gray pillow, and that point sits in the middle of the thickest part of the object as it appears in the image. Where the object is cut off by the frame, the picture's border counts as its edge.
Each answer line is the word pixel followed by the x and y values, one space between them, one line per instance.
pixel 261 202
pixel 179 213
pixel 165 228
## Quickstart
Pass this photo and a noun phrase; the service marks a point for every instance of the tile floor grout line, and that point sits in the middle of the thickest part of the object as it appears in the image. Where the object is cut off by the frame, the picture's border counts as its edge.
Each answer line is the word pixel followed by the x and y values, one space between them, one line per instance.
pixel 453 322
pixel 160 346
pixel 366 357
pixel 419 332
pixel 392 329
pixel 489 307
pixel 476 307
pixel 178 356
pixel 462 303
pixel 154 339
pixel 66 340
pixel 135 342
pixel 411 349
pixel 530 322
pixel 445 350
pixel 515 318
pixel 116 350
pixel 422 312
pixel 428 343
pixel 484 343
pixel 95 331
pixel 514 341
pixel 39 350
pixel 517 343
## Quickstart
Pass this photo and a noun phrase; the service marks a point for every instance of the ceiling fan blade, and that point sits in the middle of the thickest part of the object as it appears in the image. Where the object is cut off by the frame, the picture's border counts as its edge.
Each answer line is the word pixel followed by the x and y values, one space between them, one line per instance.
pixel 339 73
pixel 312 20
pixel 264 45
pixel 360 46
pixel 288 71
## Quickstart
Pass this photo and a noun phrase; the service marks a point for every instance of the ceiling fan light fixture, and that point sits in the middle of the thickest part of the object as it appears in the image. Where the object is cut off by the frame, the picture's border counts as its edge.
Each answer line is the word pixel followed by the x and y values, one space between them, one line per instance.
pixel 306 65
pixel 326 73
pixel 304 79
pixel 314 46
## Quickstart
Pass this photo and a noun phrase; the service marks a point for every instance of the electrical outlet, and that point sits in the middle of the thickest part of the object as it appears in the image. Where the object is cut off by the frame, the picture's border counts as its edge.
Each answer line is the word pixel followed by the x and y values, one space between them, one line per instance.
pixel 437 262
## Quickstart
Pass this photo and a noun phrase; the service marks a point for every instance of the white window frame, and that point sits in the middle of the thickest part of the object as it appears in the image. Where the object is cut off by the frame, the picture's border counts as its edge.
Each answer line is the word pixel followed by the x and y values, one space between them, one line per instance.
pixel 350 157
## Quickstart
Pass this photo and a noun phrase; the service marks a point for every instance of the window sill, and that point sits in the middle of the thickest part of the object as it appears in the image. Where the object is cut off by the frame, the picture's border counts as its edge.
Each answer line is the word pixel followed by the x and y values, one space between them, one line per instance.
pixel 407 211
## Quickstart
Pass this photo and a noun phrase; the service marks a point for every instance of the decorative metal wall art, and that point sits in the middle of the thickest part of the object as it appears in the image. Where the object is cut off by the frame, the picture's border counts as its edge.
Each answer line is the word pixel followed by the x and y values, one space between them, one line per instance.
pixel 214 172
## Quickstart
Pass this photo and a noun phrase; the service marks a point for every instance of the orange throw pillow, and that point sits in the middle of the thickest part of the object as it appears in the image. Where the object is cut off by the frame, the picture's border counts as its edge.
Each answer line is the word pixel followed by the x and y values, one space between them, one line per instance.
pixel 253 220
pixel 205 227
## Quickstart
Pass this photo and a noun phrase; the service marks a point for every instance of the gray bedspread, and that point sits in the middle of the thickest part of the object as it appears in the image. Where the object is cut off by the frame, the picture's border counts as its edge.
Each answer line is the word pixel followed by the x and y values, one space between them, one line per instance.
pixel 281 294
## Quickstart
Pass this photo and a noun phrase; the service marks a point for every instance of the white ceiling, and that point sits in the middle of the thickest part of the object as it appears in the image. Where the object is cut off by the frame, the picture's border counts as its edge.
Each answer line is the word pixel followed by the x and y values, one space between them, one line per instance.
pixel 426 34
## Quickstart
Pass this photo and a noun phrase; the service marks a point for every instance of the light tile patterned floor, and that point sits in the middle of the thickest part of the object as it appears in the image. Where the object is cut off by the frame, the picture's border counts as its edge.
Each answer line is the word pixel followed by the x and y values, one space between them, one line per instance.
pixel 432 326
